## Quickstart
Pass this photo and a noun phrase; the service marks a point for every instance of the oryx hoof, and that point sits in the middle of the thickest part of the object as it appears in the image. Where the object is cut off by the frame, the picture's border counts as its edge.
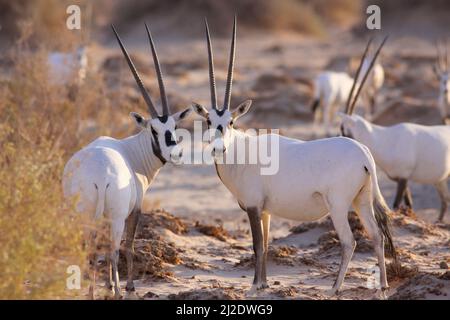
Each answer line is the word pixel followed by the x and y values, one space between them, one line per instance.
pixel 117 295
pixel 332 292
pixel 264 285
pixel 108 292
pixel 255 288
pixel 131 295
pixel 380 295
pixel 91 294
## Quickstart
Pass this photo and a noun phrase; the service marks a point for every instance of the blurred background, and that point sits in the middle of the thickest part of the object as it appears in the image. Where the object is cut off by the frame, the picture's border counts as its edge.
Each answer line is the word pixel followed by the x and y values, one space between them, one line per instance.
pixel 60 89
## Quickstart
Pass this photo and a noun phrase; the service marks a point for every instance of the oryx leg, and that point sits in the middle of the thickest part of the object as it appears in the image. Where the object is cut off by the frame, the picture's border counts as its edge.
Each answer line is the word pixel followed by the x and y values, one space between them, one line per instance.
pixel 132 222
pixel 92 247
pixel 339 216
pixel 109 285
pixel 106 247
pixel 116 237
pixel 328 115
pixel 363 206
pixel 442 189
pixel 402 184
pixel 254 215
pixel 266 229
pixel 318 116
pixel 408 198
pixel 372 103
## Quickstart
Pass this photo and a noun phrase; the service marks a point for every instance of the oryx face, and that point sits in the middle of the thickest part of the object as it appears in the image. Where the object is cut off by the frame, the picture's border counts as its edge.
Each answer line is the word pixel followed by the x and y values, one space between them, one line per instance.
pixel 442 71
pixel 162 132
pixel 352 124
pixel 161 127
pixel 220 124
pixel 220 121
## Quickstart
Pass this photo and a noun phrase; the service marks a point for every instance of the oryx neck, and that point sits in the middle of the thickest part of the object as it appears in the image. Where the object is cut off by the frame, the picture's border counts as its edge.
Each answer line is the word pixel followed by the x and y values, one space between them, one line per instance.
pixel 141 155
pixel 229 166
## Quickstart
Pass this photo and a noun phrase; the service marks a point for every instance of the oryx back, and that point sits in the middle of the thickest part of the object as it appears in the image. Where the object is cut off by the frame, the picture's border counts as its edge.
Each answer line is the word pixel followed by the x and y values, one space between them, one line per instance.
pixel 98 171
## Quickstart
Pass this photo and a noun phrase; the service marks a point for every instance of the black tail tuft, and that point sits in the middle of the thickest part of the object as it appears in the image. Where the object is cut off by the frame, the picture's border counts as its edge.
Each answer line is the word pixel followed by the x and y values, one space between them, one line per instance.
pixel 382 218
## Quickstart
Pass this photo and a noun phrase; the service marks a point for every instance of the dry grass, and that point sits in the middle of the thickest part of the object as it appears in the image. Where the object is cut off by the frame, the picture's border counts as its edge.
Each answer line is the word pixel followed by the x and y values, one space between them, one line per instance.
pixel 40 127
pixel 304 16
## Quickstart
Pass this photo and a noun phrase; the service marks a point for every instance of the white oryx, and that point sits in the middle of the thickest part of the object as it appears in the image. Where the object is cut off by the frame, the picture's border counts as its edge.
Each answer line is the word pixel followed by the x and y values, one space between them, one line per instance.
pixel 314 179
pixel 405 151
pixel 65 67
pixel 441 70
pixel 373 85
pixel 109 177
pixel 332 89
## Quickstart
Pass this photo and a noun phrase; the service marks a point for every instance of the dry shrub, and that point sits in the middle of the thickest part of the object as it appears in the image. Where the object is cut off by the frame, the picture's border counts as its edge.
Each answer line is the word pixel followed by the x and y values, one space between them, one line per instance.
pixel 397 271
pixel 150 258
pixel 39 238
pixel 40 127
pixel 339 12
pixel 309 17
pixel 149 222
pixel 217 232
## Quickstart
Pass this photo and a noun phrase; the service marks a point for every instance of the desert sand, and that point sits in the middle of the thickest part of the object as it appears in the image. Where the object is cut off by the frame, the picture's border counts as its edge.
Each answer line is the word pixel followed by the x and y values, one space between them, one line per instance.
pixel 200 246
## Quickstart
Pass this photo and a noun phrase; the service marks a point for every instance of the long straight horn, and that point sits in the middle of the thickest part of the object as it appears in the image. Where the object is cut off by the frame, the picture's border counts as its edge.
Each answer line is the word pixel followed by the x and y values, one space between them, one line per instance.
pixel 372 63
pixel 148 100
pixel 212 77
pixel 230 68
pixel 355 79
pixel 162 89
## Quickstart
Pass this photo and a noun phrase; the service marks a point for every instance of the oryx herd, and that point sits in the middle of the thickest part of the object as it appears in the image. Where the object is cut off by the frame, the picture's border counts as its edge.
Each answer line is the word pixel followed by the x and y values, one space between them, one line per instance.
pixel 109 178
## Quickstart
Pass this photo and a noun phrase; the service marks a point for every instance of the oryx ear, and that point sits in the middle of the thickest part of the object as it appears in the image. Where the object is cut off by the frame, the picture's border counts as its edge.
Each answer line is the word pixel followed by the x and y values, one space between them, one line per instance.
pixel 200 110
pixel 182 114
pixel 241 109
pixel 140 120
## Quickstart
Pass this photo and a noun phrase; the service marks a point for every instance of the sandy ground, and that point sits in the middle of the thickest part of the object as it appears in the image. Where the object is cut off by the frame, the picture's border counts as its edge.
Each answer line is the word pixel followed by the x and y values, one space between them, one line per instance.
pixel 276 73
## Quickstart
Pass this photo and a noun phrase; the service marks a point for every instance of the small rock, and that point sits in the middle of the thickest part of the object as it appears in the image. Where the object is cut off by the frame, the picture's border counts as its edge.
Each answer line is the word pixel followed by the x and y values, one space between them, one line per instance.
pixel 150 295
pixel 443 265
pixel 276 283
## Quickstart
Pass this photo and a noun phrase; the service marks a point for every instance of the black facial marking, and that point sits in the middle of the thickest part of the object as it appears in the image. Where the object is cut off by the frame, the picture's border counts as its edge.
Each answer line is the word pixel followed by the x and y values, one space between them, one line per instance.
pixel 156 147
pixel 138 118
pixel 183 114
pixel 163 119
pixel 208 122
pixel 367 170
pixel 169 139
pixel 220 112
pixel 220 128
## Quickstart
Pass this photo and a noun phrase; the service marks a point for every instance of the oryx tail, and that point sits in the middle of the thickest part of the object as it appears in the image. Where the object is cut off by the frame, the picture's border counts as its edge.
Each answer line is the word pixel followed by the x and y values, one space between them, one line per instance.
pixel 101 194
pixel 381 210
